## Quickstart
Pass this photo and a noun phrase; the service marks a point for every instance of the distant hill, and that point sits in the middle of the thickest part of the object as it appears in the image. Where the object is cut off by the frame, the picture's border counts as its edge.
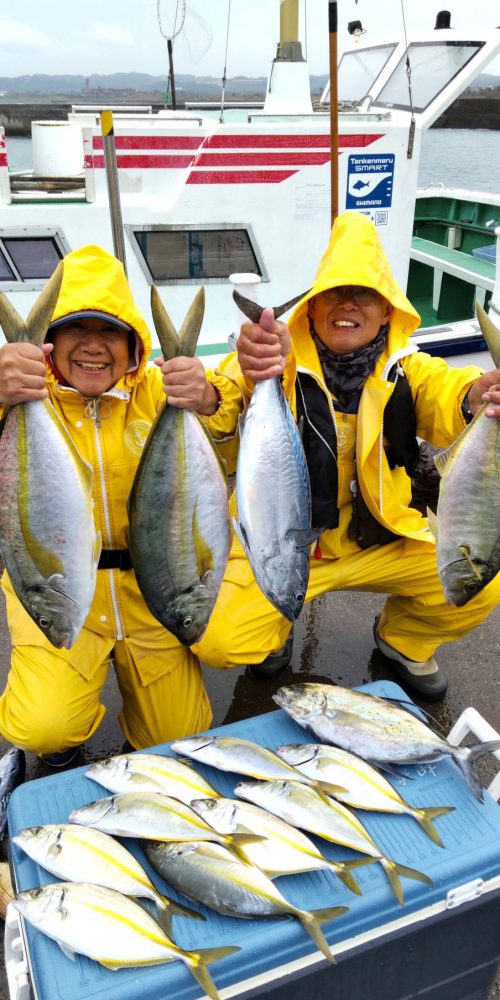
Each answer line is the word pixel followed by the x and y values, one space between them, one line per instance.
pixel 203 87
pixel 484 80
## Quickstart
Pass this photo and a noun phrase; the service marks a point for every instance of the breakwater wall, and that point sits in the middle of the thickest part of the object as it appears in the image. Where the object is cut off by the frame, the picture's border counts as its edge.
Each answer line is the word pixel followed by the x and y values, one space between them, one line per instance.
pixel 466 112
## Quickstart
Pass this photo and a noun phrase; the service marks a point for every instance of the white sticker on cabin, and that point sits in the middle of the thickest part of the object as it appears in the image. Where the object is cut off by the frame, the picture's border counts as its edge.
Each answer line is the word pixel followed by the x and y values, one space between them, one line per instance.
pixel 370 179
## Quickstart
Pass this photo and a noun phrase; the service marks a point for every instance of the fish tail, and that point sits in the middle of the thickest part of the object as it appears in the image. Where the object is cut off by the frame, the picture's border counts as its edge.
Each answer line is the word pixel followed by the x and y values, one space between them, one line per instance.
pixel 311 924
pixel 198 966
pixel 342 870
pixel 466 758
pixel 425 818
pixel 393 870
pixel 164 918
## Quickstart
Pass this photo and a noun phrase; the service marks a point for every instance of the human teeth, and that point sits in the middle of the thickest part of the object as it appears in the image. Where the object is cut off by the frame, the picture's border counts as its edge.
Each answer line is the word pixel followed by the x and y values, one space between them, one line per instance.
pixel 343 322
pixel 90 367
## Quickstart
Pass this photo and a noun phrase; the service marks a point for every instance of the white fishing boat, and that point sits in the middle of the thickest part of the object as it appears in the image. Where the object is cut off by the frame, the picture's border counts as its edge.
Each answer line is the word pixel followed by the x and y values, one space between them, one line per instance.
pixel 204 197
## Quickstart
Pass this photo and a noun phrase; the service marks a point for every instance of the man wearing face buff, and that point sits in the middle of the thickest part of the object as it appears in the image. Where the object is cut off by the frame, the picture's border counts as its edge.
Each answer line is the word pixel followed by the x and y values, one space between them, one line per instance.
pixel 94 370
pixel 364 393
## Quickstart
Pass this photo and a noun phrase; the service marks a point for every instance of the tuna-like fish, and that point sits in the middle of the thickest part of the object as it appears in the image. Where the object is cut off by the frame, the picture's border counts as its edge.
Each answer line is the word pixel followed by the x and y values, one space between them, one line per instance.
pixel 213 876
pixel 365 788
pixel 75 852
pixel 467 523
pixel 151 772
pixel 146 815
pixel 283 850
pixel 12 774
pixel 273 492
pixel 241 756
pixel 104 925
pixel 178 511
pixel 374 729
pixel 47 534
pixel 6 891
pixel 303 807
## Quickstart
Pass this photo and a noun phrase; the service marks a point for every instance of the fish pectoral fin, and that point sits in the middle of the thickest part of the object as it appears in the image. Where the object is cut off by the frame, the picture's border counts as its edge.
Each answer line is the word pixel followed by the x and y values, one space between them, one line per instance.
pixel 203 552
pixel 301 537
pixel 465 551
pixel 240 534
pixel 432 522
pixel 67 951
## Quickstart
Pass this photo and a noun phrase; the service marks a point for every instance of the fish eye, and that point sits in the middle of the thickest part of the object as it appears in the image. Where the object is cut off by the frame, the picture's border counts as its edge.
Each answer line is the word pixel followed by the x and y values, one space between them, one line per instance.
pixel 187 621
pixel 44 622
pixel 36 893
pixel 299 596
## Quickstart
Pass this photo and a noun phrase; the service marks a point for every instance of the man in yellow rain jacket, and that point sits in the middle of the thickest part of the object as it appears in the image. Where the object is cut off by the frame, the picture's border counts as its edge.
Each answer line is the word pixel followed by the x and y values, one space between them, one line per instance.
pixel 97 377
pixel 367 392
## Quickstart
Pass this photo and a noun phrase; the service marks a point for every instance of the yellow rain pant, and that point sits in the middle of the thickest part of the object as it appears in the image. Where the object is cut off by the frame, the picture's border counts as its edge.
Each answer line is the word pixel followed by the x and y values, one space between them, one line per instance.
pixel 52 697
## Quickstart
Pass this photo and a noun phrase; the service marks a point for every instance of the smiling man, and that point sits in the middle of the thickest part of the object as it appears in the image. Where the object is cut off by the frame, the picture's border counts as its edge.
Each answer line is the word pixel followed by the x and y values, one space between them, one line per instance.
pixel 93 369
pixel 363 394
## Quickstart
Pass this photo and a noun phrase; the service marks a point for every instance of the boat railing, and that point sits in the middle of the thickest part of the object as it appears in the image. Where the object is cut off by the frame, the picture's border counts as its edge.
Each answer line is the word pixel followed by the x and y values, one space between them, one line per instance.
pixel 143 109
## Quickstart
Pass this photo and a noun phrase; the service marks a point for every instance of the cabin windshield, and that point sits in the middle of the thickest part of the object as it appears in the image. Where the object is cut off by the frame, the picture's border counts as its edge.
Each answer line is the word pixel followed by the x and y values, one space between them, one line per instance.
pixel 358 71
pixel 433 66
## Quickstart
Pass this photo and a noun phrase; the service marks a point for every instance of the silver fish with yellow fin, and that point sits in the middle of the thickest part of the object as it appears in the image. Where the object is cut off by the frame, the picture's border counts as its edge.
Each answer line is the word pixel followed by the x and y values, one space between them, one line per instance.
pixel 102 924
pixel 151 772
pixel 212 875
pixel 178 511
pixel 467 523
pixel 48 540
pixel 273 492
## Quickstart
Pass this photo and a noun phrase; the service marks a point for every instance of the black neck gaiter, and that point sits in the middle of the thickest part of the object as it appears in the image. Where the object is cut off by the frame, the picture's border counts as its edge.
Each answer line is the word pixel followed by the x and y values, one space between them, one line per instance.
pixel 346 374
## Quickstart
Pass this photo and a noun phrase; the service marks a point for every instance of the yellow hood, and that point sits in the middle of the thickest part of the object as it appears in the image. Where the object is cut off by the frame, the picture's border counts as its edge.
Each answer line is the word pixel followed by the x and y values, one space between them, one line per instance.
pixel 95 280
pixel 355 256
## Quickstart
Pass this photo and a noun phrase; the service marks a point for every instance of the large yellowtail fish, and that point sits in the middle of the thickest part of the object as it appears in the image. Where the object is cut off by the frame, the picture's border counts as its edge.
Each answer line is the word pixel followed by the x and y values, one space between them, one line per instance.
pixel 375 729
pixel 301 806
pixel 178 511
pixel 365 787
pixel 47 534
pixel 78 852
pixel 467 523
pixel 273 492
pixel 283 850
pixel 151 772
pixel 102 924
pixel 212 875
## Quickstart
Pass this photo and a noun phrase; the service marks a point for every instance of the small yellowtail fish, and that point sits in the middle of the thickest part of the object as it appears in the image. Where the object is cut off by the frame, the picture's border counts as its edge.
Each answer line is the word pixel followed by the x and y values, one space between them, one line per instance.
pixel 467 523
pixel 375 729
pixel 367 788
pixel 147 814
pixel 102 924
pixel 151 772
pixel 283 850
pixel 303 807
pixel 213 876
pixel 74 852
pixel 6 891
pixel 242 756
pixel 178 509
pixel 273 492
pixel 48 540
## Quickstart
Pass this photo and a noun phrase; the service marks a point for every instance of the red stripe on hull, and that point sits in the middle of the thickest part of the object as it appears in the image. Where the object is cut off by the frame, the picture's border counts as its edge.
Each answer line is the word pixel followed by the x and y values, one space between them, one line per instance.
pixel 285 141
pixel 261 159
pixel 152 142
pixel 3 159
pixel 239 176
pixel 138 162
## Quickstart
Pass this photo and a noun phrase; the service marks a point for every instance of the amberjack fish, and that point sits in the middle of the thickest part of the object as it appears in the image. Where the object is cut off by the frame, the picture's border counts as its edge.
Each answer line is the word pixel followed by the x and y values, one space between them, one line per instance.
pixel 48 540
pixel 375 729
pixel 178 511
pixel 80 853
pixel 108 927
pixel 212 875
pixel 467 523
pixel 365 787
pixel 151 772
pixel 303 807
pixel 273 492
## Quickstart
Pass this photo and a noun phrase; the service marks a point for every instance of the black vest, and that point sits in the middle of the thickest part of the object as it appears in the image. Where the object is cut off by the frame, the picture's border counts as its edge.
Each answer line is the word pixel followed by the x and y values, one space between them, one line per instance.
pixel 320 446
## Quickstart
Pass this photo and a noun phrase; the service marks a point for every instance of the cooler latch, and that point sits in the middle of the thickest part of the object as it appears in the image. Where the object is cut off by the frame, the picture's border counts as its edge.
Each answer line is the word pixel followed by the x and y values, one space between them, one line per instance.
pixel 464 893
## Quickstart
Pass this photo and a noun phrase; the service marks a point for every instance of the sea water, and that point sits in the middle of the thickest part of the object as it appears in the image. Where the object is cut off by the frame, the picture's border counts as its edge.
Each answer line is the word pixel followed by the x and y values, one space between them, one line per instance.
pixel 468 158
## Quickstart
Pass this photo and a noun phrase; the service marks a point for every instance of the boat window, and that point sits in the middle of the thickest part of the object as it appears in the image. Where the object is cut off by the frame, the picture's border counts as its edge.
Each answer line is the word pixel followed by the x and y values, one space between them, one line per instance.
pixel 191 254
pixel 358 70
pixel 433 66
pixel 25 258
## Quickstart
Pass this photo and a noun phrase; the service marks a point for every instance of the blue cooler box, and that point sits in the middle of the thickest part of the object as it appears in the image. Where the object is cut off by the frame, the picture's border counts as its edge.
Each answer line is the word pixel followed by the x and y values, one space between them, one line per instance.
pixel 443 944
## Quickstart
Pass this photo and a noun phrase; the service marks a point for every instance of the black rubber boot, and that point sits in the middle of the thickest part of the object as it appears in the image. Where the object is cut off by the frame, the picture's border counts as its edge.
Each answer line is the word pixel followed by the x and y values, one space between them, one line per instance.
pixel 62 759
pixel 275 663
pixel 426 679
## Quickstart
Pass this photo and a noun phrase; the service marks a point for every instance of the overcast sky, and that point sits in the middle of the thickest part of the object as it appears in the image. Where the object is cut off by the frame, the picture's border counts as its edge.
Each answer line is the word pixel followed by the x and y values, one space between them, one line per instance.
pixel 107 36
